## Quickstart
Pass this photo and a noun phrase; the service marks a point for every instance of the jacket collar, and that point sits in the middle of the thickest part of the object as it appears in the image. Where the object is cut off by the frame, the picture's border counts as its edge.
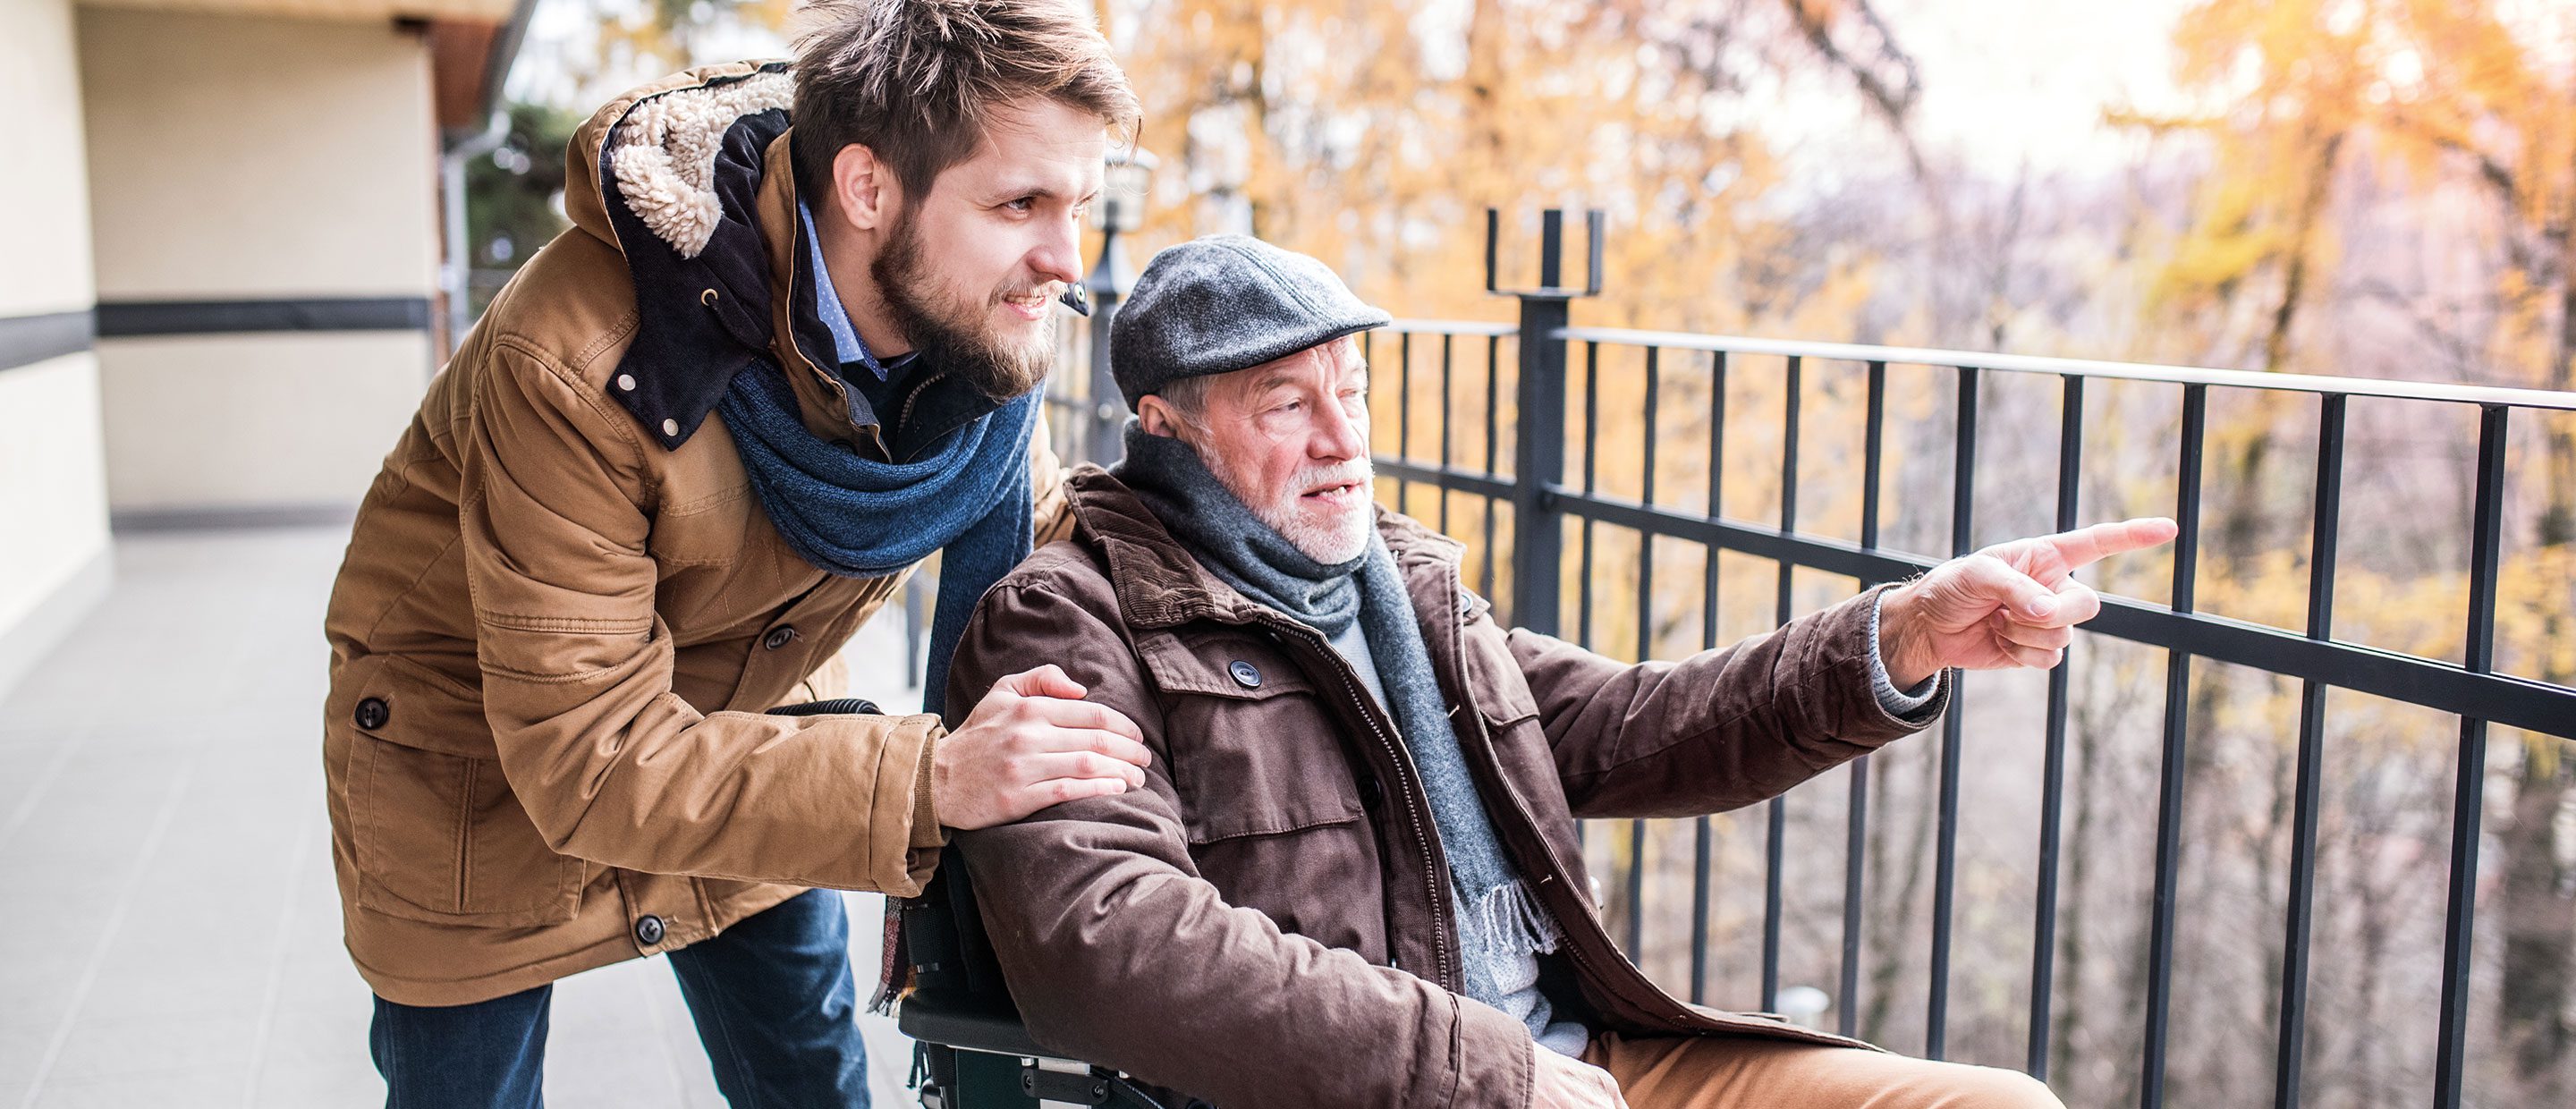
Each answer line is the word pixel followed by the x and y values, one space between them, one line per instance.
pixel 1160 585
pixel 690 179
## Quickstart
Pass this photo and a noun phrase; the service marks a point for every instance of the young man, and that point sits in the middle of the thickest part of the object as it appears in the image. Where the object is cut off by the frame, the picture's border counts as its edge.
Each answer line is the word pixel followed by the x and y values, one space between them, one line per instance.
pixel 571 595
pixel 1351 877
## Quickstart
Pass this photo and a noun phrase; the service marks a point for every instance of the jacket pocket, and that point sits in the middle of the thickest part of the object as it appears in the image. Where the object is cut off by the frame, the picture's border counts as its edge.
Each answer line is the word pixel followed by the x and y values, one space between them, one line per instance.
pixel 435 830
pixel 442 838
pixel 1494 677
pixel 1253 751
pixel 1270 803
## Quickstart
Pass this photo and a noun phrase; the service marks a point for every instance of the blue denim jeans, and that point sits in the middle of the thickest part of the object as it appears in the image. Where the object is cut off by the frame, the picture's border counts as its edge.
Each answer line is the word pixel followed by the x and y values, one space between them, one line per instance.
pixel 772 998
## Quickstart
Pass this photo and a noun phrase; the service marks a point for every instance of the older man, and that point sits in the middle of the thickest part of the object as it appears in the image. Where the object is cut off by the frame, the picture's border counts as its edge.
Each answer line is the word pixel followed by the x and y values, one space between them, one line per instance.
pixel 1351 876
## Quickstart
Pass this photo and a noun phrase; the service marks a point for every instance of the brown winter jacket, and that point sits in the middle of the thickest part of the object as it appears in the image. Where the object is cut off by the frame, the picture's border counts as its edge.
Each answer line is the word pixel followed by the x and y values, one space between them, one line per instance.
pixel 561 617
pixel 1267 921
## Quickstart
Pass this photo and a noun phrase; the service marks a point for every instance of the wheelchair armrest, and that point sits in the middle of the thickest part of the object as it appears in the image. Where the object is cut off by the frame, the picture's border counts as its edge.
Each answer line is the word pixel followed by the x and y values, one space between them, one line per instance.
pixel 965 1022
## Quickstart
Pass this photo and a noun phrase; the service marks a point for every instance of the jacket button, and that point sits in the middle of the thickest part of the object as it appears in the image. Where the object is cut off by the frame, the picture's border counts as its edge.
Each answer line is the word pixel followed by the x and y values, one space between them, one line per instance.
pixel 1245 674
pixel 373 712
pixel 1371 794
pixel 779 636
pixel 648 929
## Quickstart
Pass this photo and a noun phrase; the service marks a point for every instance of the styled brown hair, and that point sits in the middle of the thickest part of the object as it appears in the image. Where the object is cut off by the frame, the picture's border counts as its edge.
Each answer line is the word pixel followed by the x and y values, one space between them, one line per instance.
pixel 917 81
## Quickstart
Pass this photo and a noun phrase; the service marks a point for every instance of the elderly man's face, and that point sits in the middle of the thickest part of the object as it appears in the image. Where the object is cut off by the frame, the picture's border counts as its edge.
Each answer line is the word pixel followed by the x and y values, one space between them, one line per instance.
pixel 1290 440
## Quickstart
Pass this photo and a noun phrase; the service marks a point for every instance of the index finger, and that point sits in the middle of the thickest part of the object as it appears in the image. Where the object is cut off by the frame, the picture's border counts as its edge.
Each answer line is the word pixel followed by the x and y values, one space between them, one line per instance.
pixel 2086 546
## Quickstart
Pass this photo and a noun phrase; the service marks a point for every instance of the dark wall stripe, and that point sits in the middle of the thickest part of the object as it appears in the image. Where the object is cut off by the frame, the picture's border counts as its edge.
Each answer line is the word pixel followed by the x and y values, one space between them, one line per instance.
pixel 117 319
pixel 26 340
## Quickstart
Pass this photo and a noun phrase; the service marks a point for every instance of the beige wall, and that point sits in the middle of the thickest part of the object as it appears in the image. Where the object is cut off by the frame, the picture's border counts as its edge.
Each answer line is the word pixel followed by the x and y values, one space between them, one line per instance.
pixel 328 406
pixel 53 508
pixel 247 158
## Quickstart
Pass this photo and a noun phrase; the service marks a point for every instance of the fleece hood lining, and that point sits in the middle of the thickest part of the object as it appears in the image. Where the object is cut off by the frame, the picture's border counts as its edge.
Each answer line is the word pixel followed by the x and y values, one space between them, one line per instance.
pixel 662 154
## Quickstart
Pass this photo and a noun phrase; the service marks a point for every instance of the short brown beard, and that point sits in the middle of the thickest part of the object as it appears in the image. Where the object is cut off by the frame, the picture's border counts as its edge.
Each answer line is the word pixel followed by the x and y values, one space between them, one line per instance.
pixel 953 337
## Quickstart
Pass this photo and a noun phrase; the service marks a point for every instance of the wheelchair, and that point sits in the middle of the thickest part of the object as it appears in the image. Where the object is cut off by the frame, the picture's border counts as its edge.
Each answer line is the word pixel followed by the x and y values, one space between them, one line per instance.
pixel 971 1049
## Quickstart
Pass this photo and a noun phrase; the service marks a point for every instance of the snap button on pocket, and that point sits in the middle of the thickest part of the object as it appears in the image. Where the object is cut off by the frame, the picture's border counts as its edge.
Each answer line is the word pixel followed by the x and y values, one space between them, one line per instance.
pixel 648 930
pixel 1245 674
pixel 778 637
pixel 1371 794
pixel 372 713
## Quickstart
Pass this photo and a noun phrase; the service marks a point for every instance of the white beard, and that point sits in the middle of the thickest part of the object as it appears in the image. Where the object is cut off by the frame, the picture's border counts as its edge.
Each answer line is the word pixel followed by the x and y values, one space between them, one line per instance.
pixel 1330 542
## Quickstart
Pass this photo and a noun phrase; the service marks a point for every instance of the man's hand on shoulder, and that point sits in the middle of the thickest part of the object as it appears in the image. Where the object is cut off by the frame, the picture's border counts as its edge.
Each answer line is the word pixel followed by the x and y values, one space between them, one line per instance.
pixel 1559 1082
pixel 2012 604
pixel 1030 743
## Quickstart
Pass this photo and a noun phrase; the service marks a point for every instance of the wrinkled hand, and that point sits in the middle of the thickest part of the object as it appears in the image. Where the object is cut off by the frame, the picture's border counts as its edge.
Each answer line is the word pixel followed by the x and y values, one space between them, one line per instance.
pixel 1030 743
pixel 1557 1082
pixel 2012 604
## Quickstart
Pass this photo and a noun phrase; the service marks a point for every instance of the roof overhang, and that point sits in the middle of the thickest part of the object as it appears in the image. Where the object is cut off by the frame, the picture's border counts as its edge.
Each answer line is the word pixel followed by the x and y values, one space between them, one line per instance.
pixel 472 43
pixel 490 11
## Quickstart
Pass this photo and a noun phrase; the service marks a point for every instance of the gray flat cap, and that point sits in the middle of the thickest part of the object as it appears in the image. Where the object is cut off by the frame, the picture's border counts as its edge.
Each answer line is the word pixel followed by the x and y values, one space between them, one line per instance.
pixel 1223 303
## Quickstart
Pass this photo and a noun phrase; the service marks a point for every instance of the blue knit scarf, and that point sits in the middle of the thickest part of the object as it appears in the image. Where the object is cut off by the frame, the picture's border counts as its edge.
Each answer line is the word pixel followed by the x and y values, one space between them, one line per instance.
pixel 856 517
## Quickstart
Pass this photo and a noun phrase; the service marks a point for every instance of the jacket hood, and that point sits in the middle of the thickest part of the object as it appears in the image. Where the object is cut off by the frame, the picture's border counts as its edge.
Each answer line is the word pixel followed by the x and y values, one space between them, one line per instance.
pixel 676 175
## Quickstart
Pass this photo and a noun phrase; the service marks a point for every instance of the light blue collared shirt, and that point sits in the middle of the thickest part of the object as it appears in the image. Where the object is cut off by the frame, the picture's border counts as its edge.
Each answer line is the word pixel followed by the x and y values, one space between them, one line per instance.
pixel 846 344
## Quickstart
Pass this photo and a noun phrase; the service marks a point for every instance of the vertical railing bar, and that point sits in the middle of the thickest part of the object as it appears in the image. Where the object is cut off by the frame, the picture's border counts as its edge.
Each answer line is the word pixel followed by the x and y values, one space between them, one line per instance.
pixel 1646 539
pixel 1404 416
pixel 1645 647
pixel 1855 842
pixel 1716 490
pixel 1446 438
pixel 1702 843
pixel 1654 391
pixel 1703 834
pixel 1945 843
pixel 1591 476
pixel 2195 421
pixel 2468 794
pixel 1636 889
pixel 1873 454
pixel 2290 1056
pixel 2043 953
pixel 1856 810
pixel 1777 812
pixel 1493 402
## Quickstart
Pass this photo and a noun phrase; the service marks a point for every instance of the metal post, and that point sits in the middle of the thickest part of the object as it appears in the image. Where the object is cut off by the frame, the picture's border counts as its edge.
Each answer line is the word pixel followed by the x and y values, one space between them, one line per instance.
pixel 1107 285
pixel 1538 459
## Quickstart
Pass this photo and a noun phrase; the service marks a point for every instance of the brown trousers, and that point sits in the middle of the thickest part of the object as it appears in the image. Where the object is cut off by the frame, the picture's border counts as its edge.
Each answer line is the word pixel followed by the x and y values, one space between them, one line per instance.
pixel 1687 1072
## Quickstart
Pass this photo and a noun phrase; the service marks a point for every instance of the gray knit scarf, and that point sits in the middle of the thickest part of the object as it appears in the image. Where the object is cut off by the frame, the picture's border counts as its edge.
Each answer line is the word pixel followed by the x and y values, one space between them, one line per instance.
pixel 1502 928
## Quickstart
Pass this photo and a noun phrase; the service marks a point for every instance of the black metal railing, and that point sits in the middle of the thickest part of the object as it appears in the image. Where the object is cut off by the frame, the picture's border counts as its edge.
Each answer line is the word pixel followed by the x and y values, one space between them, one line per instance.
pixel 1541 503
pixel 1525 559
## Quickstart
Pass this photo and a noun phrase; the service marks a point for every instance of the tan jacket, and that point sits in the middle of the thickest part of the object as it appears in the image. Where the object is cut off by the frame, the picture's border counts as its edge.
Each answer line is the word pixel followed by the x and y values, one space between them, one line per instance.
pixel 1268 921
pixel 559 620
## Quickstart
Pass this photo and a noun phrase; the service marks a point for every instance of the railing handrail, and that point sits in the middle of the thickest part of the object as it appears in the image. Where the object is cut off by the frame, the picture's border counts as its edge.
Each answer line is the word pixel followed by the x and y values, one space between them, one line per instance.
pixel 2392 389
pixel 1453 327
pixel 2083 367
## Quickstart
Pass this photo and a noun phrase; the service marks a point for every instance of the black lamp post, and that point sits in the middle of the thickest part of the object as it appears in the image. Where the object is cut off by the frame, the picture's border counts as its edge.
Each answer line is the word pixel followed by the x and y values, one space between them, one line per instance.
pixel 1123 188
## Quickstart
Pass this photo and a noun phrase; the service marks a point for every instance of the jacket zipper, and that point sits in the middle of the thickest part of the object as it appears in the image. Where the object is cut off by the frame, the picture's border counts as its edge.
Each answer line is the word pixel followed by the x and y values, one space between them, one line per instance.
pixel 1433 868
pixel 903 415
pixel 1520 810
